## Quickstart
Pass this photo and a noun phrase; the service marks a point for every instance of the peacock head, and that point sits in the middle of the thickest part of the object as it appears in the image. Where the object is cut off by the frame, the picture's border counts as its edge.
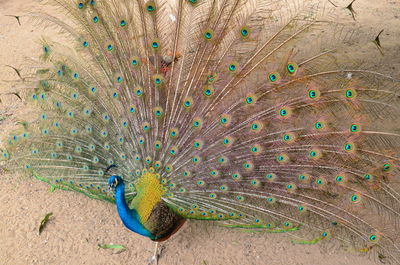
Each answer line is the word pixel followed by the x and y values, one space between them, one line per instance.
pixel 114 181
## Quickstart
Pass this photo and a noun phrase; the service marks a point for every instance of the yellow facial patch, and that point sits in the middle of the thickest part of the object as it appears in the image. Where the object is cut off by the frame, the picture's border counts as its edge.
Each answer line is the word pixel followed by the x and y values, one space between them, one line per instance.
pixel 149 193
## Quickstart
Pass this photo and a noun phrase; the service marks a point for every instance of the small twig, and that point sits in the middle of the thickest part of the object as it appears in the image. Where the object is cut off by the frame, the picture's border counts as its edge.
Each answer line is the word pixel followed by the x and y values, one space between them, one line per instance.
pixel 16 17
pixel 377 42
pixel 17 71
pixel 352 11
pixel 44 222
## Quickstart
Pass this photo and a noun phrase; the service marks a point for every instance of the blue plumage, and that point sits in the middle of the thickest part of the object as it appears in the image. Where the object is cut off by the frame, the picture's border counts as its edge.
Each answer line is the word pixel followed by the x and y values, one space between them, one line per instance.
pixel 128 216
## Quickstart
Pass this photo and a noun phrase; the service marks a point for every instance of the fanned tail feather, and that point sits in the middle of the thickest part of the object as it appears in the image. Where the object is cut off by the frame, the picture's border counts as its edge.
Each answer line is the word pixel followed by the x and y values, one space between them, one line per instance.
pixel 255 113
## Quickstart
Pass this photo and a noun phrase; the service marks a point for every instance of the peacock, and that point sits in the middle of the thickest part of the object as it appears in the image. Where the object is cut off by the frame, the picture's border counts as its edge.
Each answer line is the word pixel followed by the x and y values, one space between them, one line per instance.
pixel 259 115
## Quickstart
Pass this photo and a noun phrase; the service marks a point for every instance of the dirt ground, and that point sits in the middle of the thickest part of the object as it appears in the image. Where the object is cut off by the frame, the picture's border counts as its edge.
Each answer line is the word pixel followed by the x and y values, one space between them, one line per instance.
pixel 79 224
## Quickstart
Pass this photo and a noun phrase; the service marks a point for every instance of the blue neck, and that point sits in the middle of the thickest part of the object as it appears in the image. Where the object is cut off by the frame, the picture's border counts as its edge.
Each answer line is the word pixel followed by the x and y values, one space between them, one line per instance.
pixel 129 216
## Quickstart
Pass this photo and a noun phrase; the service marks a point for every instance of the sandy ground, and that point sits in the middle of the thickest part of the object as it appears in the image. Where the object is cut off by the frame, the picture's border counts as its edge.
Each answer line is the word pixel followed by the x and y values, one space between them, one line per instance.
pixel 79 224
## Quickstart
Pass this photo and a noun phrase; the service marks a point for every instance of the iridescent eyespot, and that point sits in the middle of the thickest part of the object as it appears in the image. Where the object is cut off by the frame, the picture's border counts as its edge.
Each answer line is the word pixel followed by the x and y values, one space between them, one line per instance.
pixel 348 147
pixel 155 44
pixel 233 67
pixel 125 123
pixel 355 198
pixel 157 164
pixel 173 151
pixel 324 234
pixel 135 61
pixel 193 2
pixel 157 145
pixel 250 99
pixel 173 133
pixel 196 159
pixel 93 90
pixel 148 161
pixel 373 238
pixel 255 182
pixel 225 120
pixel 197 123
pixel 236 176
pixel 350 93
pixel 104 133
pixel 211 78
pixel 291 187
pixel 146 126
pixel 151 7
pixel 256 149
pixel 119 79
pixel 291 68
pixel 214 173
pixel 287 224
pixel 285 113
pixel 158 112
pixel 270 176
pixel 239 198
pixel 273 77
pixel 320 181
pixel 227 141
pixel 301 208
pixel 248 166
pixel 222 159
pixel 141 140
pixel 245 32
pixel 367 177
pixel 208 91
pixel 289 137
pixel 256 127
pixel 158 80
pixel 340 179
pixel 387 167
pixel 198 144
pixel 208 34
pixel 282 158
pixel 312 93
pixel 271 200
pixel 355 128
pixel 318 125
pixel 138 91
pixel 315 154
